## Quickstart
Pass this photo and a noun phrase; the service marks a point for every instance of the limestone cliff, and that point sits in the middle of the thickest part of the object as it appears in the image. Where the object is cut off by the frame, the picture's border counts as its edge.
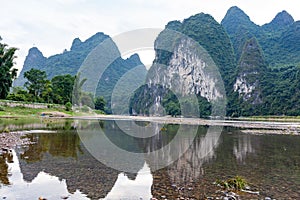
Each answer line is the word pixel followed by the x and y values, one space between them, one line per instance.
pixel 193 58
pixel 248 84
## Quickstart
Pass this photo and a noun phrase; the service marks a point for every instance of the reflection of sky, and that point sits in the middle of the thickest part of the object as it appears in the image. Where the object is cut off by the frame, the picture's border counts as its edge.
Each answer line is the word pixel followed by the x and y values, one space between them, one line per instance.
pixel 50 187
pixel 44 185
pixel 140 188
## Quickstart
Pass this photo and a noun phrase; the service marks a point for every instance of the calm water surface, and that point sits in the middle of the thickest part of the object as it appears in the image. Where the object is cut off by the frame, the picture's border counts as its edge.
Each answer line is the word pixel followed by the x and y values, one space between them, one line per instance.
pixel 61 165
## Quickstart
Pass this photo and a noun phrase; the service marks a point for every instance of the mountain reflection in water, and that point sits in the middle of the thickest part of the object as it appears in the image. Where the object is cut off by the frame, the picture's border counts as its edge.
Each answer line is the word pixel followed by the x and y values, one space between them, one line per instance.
pixel 59 164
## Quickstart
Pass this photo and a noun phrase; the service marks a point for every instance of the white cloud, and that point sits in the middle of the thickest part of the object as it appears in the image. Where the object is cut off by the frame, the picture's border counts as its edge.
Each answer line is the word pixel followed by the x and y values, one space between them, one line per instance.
pixel 52 25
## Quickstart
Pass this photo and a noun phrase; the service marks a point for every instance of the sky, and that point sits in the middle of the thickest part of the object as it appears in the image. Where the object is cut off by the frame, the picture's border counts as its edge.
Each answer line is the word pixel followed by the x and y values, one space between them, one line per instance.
pixel 51 25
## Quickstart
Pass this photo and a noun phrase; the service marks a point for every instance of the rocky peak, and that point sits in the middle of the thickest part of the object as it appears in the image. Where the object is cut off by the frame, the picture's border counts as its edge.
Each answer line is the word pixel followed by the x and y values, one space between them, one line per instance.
pixel 34 58
pixel 174 25
pixel 135 59
pixel 234 18
pixel 76 44
pixel 89 44
pixel 235 11
pixel 35 52
pixel 281 21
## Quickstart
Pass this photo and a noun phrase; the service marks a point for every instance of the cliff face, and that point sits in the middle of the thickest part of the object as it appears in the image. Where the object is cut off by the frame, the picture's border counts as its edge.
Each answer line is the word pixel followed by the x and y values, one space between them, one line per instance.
pixel 250 69
pixel 34 59
pixel 190 66
pixel 186 73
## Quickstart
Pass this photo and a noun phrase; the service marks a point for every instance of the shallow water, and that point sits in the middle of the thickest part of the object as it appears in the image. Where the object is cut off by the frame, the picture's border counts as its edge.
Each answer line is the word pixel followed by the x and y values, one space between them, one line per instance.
pixel 91 159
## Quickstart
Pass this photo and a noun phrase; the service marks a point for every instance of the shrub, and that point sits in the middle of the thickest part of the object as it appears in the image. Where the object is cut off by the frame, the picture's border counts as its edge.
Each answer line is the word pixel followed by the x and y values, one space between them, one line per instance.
pixel 68 106
pixel 85 109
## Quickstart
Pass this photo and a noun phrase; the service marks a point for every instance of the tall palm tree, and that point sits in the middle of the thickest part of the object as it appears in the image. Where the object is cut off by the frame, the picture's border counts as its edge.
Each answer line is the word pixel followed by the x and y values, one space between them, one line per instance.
pixel 77 89
pixel 7 73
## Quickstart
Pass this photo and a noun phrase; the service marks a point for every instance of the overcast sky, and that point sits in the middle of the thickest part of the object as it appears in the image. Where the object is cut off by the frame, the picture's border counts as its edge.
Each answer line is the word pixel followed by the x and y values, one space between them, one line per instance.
pixel 51 25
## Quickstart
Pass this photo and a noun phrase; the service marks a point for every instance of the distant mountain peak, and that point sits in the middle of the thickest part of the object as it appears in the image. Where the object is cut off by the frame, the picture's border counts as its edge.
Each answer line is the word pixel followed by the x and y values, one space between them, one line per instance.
pixel 35 51
pixel 76 43
pixel 174 25
pixel 236 18
pixel 99 37
pixel 236 12
pixel 134 59
pixel 280 22
pixel 283 19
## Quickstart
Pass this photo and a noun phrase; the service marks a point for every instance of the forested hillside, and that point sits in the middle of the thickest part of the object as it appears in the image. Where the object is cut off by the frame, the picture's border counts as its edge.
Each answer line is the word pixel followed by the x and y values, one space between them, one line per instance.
pixel 260 65
pixel 70 61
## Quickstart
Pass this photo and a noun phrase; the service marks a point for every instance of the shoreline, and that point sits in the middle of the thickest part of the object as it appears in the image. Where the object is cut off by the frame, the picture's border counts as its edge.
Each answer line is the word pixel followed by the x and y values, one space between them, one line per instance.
pixel 292 128
pixel 254 124
pixel 13 138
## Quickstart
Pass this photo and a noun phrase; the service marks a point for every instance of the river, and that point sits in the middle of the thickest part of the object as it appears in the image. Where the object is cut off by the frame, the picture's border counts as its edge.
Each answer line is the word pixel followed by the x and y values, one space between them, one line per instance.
pixel 125 159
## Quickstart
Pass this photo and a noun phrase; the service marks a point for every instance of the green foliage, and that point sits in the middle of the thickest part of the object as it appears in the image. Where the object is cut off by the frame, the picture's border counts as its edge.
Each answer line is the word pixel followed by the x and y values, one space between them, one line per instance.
pixel 62 87
pixel 213 38
pixel 280 39
pixel 282 91
pixel 36 82
pixel 113 74
pixel 204 107
pixel 85 108
pixel 236 183
pixel 68 106
pixel 100 103
pixel 171 104
pixel 7 72
pixel 210 35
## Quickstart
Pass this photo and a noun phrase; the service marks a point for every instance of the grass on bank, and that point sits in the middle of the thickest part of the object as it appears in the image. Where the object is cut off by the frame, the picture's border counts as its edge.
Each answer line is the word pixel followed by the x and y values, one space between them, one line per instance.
pixel 21 111
pixel 271 118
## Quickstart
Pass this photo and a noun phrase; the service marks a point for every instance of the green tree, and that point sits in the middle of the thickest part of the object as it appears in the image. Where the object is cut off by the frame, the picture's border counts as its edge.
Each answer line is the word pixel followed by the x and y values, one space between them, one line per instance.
pixel 100 103
pixel 7 73
pixel 18 94
pixel 36 82
pixel 62 87
pixel 47 92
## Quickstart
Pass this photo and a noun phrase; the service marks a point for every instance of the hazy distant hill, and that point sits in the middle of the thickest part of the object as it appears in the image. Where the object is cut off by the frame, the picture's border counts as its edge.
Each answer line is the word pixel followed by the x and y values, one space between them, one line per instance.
pixel 67 62
pixel 70 61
